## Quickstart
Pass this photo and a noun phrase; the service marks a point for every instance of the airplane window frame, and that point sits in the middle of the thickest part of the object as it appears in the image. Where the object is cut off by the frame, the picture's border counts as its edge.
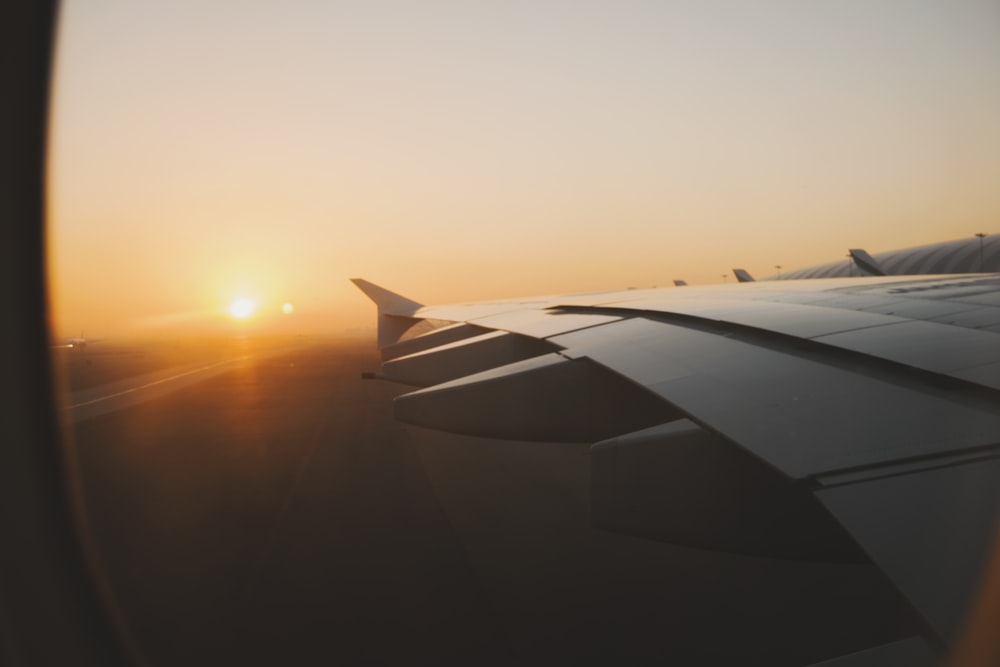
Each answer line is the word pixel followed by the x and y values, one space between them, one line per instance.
pixel 53 607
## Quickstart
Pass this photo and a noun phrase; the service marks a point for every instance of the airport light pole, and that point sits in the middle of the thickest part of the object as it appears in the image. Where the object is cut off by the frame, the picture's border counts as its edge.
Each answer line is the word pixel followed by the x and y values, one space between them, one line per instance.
pixel 981 236
pixel 850 265
pixel 778 266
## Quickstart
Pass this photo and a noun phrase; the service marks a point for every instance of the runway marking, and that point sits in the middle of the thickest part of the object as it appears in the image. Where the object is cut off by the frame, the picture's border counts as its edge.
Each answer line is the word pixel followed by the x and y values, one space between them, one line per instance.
pixel 153 383
pixel 131 390
pixel 88 403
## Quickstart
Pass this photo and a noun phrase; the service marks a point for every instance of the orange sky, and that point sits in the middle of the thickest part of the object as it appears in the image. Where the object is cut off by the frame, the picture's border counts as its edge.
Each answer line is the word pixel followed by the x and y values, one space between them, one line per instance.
pixel 459 150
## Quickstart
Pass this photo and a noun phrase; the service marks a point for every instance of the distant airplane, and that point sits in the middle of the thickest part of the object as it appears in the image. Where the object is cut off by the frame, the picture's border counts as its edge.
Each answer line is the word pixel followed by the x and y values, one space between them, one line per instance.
pixel 79 343
pixel 76 343
pixel 850 420
pixel 680 283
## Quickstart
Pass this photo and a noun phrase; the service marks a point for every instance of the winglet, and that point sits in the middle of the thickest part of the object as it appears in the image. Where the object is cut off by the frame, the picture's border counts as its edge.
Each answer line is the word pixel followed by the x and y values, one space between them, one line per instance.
pixel 743 276
pixel 396 313
pixel 388 303
pixel 866 262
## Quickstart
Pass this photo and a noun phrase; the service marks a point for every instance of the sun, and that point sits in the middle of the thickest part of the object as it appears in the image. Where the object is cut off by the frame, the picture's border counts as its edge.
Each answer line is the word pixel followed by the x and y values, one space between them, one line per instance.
pixel 242 308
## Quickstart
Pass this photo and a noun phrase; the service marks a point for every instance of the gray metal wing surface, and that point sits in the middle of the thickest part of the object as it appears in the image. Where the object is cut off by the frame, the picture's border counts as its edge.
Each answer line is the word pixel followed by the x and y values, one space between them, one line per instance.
pixel 843 419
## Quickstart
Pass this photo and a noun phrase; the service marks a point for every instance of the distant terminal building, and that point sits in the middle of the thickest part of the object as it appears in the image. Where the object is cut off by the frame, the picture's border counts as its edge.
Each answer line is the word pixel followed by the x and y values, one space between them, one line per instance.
pixel 959 256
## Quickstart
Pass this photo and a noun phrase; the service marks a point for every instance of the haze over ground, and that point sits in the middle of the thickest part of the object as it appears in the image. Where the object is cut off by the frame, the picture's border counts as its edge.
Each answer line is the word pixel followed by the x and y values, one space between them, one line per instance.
pixel 469 150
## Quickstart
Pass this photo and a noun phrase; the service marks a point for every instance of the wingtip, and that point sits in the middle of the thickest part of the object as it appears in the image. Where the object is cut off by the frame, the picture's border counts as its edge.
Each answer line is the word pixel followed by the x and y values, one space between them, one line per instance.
pixel 386 300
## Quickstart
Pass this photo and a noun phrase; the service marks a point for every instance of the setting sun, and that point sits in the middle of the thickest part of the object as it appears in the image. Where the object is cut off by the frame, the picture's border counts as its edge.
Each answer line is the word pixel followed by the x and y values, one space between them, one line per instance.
pixel 242 308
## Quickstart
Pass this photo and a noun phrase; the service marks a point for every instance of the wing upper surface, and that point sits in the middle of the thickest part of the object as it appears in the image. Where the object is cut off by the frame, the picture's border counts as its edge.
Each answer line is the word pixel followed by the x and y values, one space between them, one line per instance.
pixel 811 376
pixel 872 392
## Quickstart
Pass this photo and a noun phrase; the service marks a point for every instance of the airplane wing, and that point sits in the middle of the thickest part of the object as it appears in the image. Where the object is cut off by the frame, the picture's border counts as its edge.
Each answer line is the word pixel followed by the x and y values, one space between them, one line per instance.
pixel 853 420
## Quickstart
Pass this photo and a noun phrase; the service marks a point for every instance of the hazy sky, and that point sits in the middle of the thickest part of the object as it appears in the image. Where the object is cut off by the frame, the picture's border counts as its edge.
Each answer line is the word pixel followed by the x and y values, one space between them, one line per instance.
pixel 458 150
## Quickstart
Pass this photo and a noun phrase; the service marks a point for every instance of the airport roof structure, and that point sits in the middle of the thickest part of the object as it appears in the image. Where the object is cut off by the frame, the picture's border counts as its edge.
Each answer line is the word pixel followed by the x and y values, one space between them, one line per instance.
pixel 968 255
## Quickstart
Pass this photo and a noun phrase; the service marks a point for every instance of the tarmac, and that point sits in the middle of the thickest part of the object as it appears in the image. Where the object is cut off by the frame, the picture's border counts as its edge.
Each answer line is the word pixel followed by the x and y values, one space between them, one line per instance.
pixel 255 503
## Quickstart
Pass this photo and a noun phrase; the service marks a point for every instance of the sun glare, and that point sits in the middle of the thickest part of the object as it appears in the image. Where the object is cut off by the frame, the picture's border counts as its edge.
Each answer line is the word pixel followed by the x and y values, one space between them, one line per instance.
pixel 287 309
pixel 242 308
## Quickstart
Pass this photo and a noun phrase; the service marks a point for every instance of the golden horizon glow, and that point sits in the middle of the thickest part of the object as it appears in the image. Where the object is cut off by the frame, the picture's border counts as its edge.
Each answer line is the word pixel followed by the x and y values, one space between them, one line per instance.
pixel 489 150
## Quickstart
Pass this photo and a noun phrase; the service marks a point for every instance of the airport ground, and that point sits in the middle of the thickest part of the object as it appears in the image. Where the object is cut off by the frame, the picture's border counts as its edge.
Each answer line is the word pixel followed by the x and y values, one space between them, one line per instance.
pixel 270 511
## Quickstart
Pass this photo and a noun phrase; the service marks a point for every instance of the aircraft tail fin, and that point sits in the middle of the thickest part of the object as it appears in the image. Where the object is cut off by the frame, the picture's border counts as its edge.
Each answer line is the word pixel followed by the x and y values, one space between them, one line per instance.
pixel 395 311
pixel 743 276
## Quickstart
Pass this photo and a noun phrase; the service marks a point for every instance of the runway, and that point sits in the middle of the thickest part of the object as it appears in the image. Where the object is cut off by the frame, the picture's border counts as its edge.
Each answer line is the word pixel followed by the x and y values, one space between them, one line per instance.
pixel 268 510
